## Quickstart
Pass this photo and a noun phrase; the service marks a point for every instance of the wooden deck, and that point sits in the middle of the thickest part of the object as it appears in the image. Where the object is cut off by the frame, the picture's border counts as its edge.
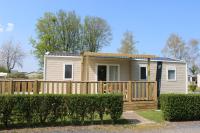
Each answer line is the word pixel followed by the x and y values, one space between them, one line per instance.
pixel 136 94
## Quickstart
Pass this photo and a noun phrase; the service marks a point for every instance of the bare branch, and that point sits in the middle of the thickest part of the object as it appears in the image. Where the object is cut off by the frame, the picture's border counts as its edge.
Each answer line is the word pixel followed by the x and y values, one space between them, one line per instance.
pixel 11 55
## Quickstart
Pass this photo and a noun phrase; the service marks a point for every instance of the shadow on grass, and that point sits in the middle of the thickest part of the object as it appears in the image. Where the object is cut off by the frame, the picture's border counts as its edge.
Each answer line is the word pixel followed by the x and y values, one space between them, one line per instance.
pixel 62 124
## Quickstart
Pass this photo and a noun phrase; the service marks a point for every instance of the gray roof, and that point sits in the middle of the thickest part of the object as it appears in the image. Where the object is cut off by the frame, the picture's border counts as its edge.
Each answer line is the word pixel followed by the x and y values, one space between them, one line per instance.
pixel 156 58
pixel 60 53
pixel 165 59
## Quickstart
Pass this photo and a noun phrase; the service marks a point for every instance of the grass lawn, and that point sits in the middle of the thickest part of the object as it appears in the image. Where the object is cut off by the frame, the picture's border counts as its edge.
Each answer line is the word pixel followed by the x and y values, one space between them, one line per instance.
pixel 153 115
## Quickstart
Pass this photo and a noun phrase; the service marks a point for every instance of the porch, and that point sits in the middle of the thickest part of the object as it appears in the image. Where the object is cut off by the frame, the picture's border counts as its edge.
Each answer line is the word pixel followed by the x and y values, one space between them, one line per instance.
pixel 136 94
pixel 116 67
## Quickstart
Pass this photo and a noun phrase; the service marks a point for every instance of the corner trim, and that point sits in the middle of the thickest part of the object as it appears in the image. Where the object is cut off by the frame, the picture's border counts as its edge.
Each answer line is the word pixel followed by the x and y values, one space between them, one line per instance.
pixel 186 81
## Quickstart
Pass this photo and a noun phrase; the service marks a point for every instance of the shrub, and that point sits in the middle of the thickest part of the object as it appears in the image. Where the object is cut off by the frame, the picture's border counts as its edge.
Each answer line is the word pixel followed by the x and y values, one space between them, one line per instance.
pixel 19 75
pixel 6 107
pixel 23 108
pixel 192 87
pixel 3 69
pixel 114 108
pixel 180 107
pixel 101 106
pixel 52 108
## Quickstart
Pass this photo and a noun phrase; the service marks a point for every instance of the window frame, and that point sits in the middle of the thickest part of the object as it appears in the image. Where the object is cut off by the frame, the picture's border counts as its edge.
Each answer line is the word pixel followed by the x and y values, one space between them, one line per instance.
pixel 72 77
pixel 167 73
pixel 108 70
pixel 142 65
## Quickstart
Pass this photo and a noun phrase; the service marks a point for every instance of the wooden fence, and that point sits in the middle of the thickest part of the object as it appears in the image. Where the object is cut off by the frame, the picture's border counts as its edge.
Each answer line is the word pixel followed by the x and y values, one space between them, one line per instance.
pixel 131 90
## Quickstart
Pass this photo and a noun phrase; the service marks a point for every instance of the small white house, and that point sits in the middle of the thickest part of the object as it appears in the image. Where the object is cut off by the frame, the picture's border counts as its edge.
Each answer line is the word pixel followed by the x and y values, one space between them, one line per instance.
pixel 198 80
pixel 3 75
pixel 170 74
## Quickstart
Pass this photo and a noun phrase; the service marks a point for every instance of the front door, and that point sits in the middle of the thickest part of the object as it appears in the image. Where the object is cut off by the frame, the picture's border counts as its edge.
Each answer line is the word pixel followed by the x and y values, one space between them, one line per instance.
pixel 102 73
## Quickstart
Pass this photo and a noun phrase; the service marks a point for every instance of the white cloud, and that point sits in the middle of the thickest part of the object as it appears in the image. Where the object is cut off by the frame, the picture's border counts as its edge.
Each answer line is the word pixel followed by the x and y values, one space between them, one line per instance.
pixel 10 27
pixel 1 28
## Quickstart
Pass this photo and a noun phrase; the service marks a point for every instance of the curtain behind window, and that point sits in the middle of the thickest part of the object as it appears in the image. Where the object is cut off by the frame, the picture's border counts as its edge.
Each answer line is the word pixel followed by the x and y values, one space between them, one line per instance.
pixel 113 73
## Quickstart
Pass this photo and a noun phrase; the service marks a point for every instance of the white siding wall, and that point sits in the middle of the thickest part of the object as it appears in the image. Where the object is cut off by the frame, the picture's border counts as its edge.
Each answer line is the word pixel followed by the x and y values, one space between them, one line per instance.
pixel 55 67
pixel 174 86
pixel 55 71
pixel 178 86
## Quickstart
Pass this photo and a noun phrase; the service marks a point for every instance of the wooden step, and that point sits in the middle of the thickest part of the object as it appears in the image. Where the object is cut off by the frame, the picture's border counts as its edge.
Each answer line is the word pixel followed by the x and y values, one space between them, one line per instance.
pixel 136 105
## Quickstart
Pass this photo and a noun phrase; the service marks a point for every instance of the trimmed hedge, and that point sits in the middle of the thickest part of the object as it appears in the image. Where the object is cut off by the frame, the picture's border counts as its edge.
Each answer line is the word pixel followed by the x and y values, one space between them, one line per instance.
pixel 180 107
pixel 51 108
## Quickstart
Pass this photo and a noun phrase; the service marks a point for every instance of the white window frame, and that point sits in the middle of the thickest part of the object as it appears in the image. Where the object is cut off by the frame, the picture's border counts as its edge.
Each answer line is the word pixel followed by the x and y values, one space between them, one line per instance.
pixel 142 65
pixel 170 68
pixel 108 71
pixel 72 71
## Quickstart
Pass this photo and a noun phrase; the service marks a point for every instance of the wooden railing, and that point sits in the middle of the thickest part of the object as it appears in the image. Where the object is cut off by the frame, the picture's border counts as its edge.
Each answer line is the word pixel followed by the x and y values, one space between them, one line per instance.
pixel 131 90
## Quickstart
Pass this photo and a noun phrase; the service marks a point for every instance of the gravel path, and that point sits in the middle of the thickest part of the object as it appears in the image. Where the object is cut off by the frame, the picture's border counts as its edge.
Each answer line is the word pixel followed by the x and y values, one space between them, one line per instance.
pixel 139 125
pixel 175 127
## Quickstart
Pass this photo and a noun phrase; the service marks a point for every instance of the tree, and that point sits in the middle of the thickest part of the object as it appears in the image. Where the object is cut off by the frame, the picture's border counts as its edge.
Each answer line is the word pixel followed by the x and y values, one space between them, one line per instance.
pixel 194 70
pixel 63 31
pixel 175 47
pixel 96 34
pixel 189 52
pixel 69 31
pixel 193 53
pixel 128 44
pixel 57 32
pixel 11 55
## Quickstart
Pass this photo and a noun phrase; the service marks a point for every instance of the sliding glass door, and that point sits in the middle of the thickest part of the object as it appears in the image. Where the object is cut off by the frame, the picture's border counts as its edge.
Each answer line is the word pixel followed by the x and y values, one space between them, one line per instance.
pixel 108 73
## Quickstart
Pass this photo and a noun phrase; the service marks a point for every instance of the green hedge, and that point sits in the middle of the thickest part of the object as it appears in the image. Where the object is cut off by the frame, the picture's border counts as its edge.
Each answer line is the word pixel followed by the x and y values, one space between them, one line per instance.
pixel 180 107
pixel 35 109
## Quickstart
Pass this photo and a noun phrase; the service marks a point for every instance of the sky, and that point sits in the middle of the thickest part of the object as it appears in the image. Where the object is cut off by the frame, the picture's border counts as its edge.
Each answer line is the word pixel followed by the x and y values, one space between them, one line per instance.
pixel 151 22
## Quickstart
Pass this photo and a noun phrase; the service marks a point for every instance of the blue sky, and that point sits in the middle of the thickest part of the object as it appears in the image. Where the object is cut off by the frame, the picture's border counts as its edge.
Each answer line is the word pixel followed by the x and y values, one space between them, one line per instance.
pixel 150 21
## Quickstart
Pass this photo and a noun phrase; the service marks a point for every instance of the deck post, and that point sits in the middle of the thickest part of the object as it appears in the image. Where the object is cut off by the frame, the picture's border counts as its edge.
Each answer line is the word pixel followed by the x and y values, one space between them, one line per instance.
pixel 149 78
pixel 148 69
pixel 86 88
pixel 82 75
pixel 101 87
pixel 155 91
pixel 70 87
pixel 0 87
pixel 87 68
pixel 130 68
pixel 11 87
pixel 36 87
pixel 3 86
pixel 82 67
pixel 129 91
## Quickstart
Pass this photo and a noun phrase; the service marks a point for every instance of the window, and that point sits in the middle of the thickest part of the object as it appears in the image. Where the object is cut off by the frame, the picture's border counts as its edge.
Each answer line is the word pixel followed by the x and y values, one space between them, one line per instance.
pixel 68 73
pixel 143 72
pixel 171 73
pixel 113 73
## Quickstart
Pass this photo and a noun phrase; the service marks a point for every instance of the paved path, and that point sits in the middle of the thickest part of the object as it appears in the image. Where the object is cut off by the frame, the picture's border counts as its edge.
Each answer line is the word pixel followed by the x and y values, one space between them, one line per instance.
pixel 134 118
